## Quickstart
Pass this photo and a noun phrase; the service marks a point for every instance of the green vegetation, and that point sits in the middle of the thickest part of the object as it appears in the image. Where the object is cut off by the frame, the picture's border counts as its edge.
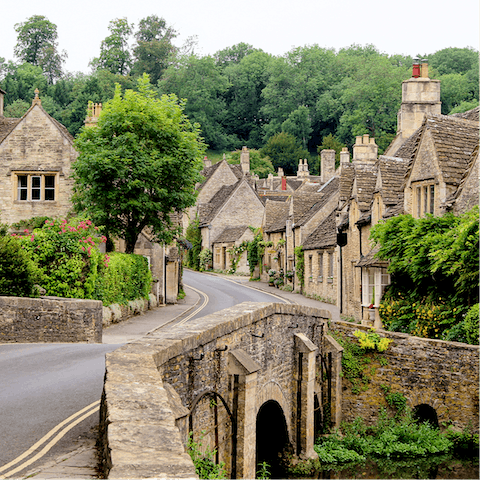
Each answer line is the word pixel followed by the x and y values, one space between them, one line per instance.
pixel 389 437
pixel 203 459
pixel 300 265
pixel 434 267
pixel 138 165
pixel 240 95
pixel 194 236
pixel 63 258
pixel 263 471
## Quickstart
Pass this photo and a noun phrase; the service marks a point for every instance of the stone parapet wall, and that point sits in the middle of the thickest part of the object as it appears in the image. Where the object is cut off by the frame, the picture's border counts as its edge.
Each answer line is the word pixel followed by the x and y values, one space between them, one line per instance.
pixel 150 383
pixel 50 319
pixel 443 375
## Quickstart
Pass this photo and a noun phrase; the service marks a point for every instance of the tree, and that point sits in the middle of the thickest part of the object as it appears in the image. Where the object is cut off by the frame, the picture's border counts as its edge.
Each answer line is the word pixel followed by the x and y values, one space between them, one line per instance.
pixel 233 55
pixel 138 165
pixel 202 83
pixel 299 124
pixel 259 165
pixel 37 44
pixel 331 143
pixel 284 151
pixel 115 53
pixel 154 47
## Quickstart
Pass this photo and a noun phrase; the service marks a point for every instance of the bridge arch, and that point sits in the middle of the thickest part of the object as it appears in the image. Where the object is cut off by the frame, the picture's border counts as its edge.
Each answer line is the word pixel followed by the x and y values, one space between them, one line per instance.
pixel 271 391
pixel 426 413
pixel 272 437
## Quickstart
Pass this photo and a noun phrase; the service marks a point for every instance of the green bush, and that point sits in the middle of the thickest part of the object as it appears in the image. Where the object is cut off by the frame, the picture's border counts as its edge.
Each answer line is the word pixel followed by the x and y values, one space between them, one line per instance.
pixel 126 278
pixel 18 274
pixel 471 325
pixel 66 254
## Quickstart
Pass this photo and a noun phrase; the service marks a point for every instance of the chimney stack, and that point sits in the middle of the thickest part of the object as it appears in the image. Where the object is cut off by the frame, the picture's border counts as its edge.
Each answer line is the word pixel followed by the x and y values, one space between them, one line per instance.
pixel 206 162
pixel 328 165
pixel 365 149
pixel 93 113
pixel 245 160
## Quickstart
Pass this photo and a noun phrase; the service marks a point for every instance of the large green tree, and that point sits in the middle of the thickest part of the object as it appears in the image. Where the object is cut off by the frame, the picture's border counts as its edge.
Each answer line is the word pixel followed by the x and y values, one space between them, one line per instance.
pixel 284 150
pixel 115 55
pixel 154 47
pixel 37 44
pixel 138 165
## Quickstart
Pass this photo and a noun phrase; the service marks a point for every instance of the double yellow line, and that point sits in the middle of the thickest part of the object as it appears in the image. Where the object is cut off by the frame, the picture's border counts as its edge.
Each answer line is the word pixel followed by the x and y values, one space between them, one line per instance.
pixel 62 428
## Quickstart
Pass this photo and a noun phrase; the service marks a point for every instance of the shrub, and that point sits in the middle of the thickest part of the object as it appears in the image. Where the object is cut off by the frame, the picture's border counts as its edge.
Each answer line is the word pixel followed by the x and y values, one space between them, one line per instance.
pixel 126 278
pixel 471 325
pixel 66 254
pixel 205 260
pixel 17 271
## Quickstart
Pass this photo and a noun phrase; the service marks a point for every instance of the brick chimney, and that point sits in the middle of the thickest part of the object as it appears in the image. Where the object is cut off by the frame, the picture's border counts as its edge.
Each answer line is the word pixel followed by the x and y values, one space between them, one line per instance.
pixel 328 165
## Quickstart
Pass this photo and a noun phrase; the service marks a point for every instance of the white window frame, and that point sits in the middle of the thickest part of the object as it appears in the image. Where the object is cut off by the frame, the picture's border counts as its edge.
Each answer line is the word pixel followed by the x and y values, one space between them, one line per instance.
pixel 374 277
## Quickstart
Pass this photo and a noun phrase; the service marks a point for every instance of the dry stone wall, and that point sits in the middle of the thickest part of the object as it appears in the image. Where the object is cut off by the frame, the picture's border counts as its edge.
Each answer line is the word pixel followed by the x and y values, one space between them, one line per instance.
pixel 443 375
pixel 50 319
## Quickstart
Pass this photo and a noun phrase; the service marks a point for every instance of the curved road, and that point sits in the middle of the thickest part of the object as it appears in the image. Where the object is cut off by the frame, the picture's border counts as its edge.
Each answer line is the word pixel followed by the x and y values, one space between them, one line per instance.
pixel 45 384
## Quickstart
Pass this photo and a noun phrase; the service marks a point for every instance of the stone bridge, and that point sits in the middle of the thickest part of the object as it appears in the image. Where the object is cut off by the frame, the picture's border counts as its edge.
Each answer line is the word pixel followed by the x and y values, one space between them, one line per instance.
pixel 254 380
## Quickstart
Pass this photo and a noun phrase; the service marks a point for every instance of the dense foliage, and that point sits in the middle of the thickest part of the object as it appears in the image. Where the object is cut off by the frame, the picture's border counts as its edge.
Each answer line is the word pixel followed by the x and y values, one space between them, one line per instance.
pixel 240 95
pixel 18 273
pixel 434 266
pixel 138 166
pixel 63 258
pixel 193 235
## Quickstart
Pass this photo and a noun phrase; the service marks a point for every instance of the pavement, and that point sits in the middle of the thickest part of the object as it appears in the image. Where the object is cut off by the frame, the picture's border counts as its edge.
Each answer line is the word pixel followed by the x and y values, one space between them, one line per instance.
pixel 81 463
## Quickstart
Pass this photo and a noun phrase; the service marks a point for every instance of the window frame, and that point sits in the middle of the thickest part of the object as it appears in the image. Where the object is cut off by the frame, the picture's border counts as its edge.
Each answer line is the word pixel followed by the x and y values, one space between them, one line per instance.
pixel 36 188
pixel 374 277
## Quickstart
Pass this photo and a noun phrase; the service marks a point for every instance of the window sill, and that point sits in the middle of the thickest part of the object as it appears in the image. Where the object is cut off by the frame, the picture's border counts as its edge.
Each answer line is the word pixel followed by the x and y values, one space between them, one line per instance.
pixel 24 202
pixel 330 280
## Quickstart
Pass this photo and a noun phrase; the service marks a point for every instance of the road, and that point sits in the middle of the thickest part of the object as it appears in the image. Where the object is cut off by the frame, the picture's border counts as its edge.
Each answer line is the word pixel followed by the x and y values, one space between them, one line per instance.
pixel 45 384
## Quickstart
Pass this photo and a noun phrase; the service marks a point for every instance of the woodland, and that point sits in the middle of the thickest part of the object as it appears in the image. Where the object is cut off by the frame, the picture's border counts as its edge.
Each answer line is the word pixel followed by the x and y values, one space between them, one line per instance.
pixel 305 100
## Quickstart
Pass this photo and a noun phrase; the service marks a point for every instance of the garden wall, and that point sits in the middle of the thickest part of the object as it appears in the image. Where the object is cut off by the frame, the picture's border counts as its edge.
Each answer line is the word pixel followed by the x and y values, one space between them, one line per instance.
pixel 50 319
pixel 443 375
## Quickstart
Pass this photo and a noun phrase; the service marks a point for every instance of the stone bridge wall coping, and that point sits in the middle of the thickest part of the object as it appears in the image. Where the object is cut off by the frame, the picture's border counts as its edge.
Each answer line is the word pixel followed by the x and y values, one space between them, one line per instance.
pixel 137 421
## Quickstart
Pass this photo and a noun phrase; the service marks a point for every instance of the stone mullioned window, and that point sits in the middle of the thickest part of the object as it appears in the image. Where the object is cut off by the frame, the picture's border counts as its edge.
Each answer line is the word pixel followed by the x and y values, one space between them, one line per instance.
pixel 35 186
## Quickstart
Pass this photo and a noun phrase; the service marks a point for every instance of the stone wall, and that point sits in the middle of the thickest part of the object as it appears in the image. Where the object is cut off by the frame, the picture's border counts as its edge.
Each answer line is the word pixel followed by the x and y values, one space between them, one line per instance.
pixel 249 353
pixel 50 319
pixel 443 375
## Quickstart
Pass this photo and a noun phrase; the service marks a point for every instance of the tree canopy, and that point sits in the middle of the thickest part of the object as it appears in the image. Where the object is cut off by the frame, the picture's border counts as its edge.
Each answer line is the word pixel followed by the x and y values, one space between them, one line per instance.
pixel 284 150
pixel 139 165
pixel 37 45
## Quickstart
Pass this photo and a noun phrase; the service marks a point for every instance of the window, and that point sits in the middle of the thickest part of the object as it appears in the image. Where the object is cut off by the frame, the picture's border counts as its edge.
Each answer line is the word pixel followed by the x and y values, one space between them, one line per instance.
pixel 425 199
pixel 35 187
pixel 310 267
pixel 320 267
pixel 330 267
pixel 374 282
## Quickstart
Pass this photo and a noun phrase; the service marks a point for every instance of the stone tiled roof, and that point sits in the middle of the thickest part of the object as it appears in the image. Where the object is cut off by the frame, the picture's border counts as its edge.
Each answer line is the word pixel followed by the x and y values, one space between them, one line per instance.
pixel 274 198
pixel 207 211
pixel 369 260
pixel 472 195
pixel 409 147
pixel 392 172
pixel 322 197
pixel 455 140
pixel 469 115
pixel 309 187
pixel 302 203
pixel 365 179
pixel 325 235
pixel 231 234
pixel 6 126
pixel 276 215
pixel 394 211
pixel 207 173
pixel 346 182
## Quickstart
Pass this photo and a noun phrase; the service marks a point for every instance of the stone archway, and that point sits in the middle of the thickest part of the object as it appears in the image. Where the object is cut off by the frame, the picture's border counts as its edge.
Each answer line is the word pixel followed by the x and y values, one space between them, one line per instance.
pixel 426 413
pixel 271 437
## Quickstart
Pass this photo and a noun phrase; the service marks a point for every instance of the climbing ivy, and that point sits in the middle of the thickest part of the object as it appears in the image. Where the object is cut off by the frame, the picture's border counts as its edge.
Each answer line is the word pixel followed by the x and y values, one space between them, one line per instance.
pixel 300 264
pixel 235 255
pixel 255 250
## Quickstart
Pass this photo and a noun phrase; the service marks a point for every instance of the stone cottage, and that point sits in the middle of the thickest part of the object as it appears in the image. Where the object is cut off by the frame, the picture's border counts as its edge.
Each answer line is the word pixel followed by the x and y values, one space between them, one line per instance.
pixel 36 156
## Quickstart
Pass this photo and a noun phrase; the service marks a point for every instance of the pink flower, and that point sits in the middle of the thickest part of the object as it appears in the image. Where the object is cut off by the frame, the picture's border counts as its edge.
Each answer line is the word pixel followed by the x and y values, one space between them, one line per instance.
pixel 25 231
pixel 46 221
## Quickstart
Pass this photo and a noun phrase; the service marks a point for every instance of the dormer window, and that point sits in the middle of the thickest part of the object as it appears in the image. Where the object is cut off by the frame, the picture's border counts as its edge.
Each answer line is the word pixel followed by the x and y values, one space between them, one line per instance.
pixel 424 199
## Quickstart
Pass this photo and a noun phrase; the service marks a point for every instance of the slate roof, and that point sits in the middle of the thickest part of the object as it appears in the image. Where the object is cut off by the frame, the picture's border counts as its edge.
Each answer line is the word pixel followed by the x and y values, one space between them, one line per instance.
pixel 273 198
pixel 322 197
pixel 325 235
pixel 276 215
pixel 207 211
pixel 231 234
